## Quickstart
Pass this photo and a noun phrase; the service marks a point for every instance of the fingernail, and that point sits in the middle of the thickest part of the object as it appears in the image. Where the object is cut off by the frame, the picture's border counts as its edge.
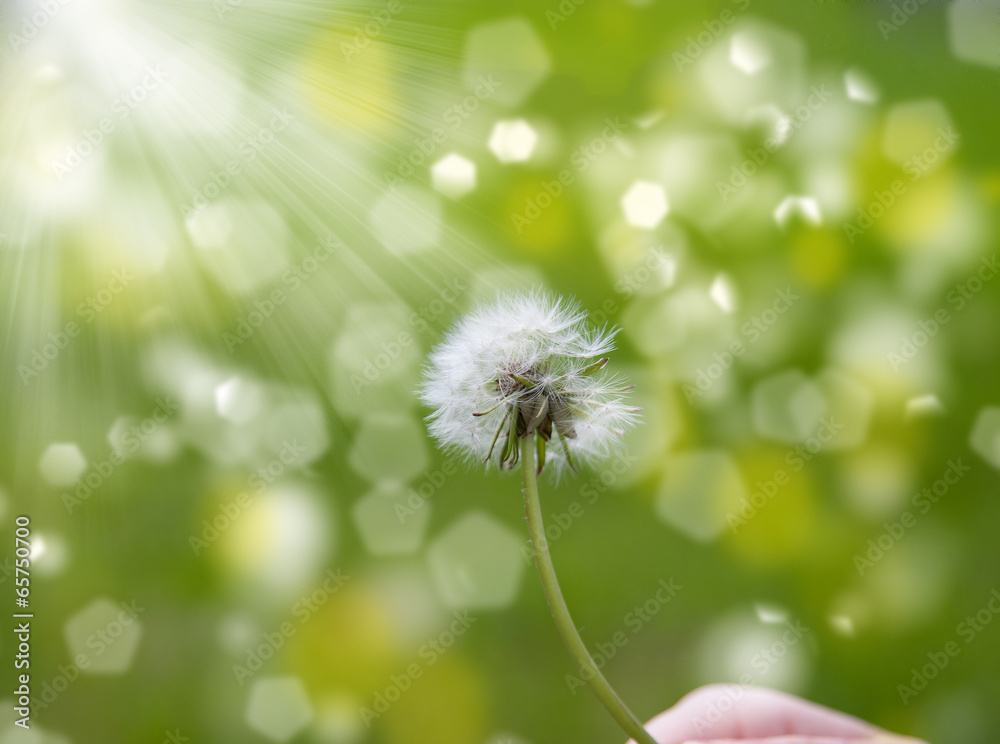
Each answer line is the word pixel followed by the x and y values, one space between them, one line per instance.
pixel 893 739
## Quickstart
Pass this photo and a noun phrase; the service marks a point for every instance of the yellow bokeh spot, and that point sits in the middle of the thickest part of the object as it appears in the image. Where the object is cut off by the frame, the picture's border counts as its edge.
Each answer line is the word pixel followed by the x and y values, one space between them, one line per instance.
pixel 989 186
pixel 349 87
pixel 446 703
pixel 248 542
pixel 348 643
pixel 924 210
pixel 818 258
pixel 776 522
pixel 538 221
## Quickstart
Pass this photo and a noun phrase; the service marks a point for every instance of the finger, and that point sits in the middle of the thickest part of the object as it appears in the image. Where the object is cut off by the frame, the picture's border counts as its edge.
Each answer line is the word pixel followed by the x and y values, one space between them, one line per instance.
pixel 738 712
pixel 797 739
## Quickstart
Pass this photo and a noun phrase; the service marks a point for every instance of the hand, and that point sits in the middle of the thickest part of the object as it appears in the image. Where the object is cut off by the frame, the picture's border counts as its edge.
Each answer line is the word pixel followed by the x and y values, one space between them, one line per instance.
pixel 731 714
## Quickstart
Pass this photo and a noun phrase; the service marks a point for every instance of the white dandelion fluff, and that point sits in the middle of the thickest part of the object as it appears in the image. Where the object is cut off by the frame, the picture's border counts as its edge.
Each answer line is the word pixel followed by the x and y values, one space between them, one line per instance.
pixel 527 363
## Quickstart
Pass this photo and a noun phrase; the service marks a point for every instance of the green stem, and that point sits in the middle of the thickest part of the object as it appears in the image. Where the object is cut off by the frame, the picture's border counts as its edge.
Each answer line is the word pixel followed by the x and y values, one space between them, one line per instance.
pixel 560 613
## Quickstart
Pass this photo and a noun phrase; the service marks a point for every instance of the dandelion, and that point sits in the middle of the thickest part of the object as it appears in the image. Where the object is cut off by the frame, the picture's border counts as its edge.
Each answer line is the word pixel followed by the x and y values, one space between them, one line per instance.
pixel 526 365
pixel 525 379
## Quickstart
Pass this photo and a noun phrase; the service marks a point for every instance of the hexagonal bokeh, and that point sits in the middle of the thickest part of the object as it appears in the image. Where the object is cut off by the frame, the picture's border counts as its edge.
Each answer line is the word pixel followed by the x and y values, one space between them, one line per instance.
pixel 513 140
pixel 787 406
pixel 734 646
pixel 238 400
pixel 107 633
pixel 278 708
pixel 685 167
pixel 972 31
pixel 509 52
pixel 242 243
pixel 128 437
pixel 406 220
pixel 758 63
pixel 477 562
pixel 295 427
pixel 389 447
pixel 388 525
pixel 696 490
pixel 918 129
pixel 848 403
pixel 645 204
pixel 375 361
pixel 454 175
pixel 985 436
pixel 62 464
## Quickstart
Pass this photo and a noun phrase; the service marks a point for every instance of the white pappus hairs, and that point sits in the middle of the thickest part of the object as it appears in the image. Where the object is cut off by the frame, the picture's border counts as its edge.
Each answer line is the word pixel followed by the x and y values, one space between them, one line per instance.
pixel 527 363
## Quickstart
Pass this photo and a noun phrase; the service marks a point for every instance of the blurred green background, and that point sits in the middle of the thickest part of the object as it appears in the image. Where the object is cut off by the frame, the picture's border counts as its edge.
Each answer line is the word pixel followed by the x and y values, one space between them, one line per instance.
pixel 231 231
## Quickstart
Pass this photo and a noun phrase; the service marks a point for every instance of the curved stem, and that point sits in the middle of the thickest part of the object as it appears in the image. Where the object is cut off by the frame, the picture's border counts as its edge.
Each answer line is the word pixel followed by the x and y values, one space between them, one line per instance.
pixel 560 613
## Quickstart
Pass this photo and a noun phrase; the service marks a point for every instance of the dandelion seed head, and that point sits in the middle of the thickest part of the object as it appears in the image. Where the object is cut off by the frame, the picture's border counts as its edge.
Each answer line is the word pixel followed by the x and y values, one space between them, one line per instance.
pixel 526 364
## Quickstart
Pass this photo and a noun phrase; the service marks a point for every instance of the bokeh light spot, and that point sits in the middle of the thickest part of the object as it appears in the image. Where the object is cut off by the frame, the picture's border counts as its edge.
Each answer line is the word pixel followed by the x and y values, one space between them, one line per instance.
pixel 107 633
pixel 278 708
pixel 62 464
pixel 387 524
pixel 477 563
